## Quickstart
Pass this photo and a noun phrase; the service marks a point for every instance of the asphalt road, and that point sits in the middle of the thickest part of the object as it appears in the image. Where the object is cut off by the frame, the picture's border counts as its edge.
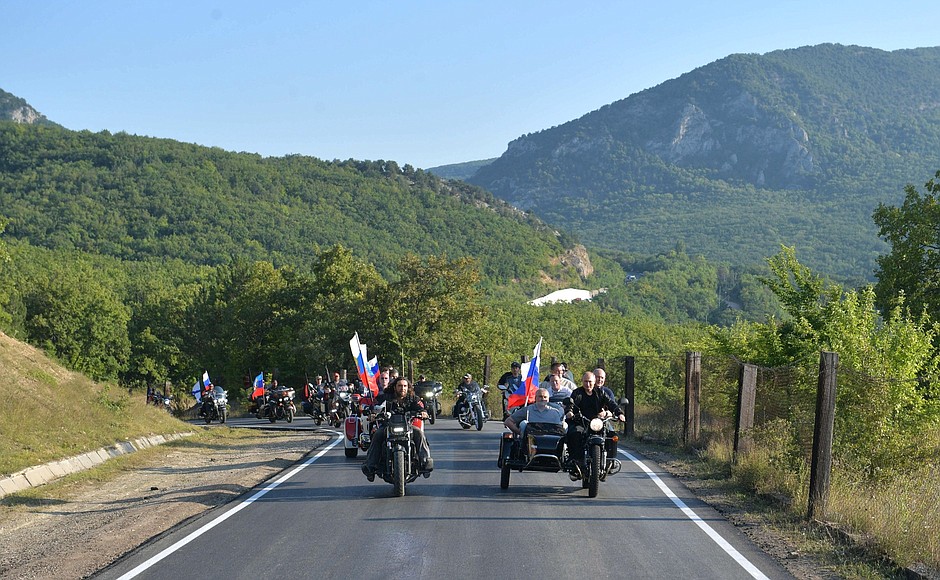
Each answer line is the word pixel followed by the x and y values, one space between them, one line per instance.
pixel 323 519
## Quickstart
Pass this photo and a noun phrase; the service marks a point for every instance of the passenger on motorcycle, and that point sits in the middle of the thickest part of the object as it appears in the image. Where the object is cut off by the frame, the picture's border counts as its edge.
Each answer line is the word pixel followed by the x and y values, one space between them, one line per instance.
pixel 466 385
pixel 558 369
pixel 591 403
pixel 557 392
pixel 600 376
pixel 397 398
pixel 510 382
pixel 541 411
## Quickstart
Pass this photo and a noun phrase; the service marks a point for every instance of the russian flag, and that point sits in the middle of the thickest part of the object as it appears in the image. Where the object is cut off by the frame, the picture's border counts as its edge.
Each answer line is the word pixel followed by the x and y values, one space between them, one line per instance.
pixel 525 393
pixel 259 386
pixel 205 379
pixel 363 364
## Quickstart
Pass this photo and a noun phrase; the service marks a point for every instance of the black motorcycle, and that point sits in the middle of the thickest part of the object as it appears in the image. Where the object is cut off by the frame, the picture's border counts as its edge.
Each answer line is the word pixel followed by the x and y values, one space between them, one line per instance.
pixel 471 408
pixel 280 405
pixel 214 405
pixel 599 442
pixel 430 392
pixel 315 408
pixel 400 462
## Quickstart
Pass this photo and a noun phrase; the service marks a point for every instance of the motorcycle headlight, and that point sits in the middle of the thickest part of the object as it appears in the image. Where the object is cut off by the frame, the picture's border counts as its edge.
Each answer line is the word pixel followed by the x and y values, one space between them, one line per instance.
pixel 597 424
pixel 398 429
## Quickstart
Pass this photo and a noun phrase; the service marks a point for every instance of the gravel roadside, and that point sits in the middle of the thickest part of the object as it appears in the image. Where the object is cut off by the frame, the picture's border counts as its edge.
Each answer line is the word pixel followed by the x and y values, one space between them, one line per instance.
pixel 73 528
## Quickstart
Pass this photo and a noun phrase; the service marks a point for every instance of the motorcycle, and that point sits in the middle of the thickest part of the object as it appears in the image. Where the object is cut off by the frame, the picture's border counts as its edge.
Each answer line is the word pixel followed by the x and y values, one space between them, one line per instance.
pixel 543 449
pixel 599 442
pixel 360 426
pixel 340 404
pixel 430 391
pixel 214 405
pixel 314 407
pixel 473 409
pixel 400 463
pixel 281 405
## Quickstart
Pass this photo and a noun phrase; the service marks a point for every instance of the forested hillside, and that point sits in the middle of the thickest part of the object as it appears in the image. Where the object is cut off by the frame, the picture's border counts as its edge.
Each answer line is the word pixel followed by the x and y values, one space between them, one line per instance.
pixel 137 198
pixel 793 147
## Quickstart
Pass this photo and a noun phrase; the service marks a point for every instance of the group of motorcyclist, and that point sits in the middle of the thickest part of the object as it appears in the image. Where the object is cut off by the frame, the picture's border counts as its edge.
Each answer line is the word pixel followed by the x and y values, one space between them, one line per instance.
pixel 558 399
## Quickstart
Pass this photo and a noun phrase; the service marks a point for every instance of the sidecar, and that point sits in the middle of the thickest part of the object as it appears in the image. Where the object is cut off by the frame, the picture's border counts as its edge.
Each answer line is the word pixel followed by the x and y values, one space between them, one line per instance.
pixel 540 448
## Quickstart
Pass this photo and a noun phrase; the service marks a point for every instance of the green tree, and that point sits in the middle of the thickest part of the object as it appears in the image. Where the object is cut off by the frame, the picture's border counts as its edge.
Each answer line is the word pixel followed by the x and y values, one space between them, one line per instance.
pixel 76 316
pixel 912 267
pixel 434 314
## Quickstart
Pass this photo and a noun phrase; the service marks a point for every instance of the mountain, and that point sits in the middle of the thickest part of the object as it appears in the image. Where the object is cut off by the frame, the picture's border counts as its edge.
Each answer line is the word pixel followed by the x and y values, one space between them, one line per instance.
pixel 138 198
pixel 792 147
pixel 463 171
pixel 13 108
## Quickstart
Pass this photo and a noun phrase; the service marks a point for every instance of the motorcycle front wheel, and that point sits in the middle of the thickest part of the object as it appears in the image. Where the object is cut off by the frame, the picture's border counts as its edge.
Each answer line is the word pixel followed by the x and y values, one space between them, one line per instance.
pixel 595 474
pixel 478 417
pixel 432 413
pixel 290 415
pixel 398 472
pixel 223 416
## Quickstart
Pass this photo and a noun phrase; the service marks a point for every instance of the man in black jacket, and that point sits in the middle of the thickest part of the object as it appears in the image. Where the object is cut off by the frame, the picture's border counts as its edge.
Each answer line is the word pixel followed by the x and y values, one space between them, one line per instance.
pixel 589 402
pixel 397 398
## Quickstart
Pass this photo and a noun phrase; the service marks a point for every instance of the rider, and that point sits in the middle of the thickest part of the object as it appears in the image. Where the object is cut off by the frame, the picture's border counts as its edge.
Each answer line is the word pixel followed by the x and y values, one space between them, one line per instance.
pixel 601 376
pixel 591 403
pixel 397 398
pixel 510 381
pixel 466 386
pixel 539 412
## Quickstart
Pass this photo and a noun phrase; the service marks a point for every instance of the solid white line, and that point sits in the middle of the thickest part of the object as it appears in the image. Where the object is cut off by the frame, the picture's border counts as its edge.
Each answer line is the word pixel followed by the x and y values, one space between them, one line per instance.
pixel 268 487
pixel 715 536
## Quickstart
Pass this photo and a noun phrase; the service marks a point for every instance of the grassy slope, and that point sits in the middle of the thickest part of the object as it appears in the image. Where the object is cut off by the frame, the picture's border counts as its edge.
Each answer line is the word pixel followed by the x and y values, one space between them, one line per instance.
pixel 50 413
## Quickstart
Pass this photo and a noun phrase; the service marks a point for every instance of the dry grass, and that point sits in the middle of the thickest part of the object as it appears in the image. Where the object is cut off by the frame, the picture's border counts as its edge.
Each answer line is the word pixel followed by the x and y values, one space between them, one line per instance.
pixel 51 413
pixel 900 517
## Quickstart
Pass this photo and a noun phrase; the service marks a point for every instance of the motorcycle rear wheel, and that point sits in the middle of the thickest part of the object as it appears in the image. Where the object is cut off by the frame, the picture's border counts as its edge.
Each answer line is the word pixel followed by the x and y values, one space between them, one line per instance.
pixel 352 452
pixel 504 476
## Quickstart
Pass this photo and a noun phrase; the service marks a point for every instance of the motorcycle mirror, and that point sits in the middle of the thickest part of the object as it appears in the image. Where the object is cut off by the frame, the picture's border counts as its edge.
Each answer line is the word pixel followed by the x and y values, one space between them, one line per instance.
pixel 502 387
pixel 624 401
pixel 567 401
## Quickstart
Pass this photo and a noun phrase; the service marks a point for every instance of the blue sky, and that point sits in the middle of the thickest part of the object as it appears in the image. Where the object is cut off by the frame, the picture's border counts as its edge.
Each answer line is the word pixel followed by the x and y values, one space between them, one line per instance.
pixel 420 82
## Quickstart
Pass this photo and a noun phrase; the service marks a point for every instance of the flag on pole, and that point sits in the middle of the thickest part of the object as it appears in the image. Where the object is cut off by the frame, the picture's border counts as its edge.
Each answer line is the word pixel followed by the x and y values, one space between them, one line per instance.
pixel 259 386
pixel 525 392
pixel 201 385
pixel 364 366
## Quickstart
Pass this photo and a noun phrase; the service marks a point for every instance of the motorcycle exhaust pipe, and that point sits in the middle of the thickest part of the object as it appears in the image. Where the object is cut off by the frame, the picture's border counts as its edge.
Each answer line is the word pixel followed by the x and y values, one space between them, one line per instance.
pixel 615 467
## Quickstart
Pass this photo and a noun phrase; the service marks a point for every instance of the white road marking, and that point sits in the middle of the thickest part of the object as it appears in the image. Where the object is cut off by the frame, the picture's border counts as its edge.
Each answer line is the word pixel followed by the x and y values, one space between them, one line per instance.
pixel 208 526
pixel 715 536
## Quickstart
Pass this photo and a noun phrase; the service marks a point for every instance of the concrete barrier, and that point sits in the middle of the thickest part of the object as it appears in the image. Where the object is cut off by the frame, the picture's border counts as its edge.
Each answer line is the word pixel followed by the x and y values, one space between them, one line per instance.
pixel 42 474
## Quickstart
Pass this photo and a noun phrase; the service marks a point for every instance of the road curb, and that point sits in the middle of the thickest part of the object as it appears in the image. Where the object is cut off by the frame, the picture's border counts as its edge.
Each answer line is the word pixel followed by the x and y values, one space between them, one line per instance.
pixel 42 474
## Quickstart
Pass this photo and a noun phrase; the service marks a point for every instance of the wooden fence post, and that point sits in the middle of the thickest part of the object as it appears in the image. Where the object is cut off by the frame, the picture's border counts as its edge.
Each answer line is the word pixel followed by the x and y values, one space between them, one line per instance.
pixel 411 372
pixel 744 415
pixel 821 466
pixel 629 391
pixel 486 370
pixel 693 397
